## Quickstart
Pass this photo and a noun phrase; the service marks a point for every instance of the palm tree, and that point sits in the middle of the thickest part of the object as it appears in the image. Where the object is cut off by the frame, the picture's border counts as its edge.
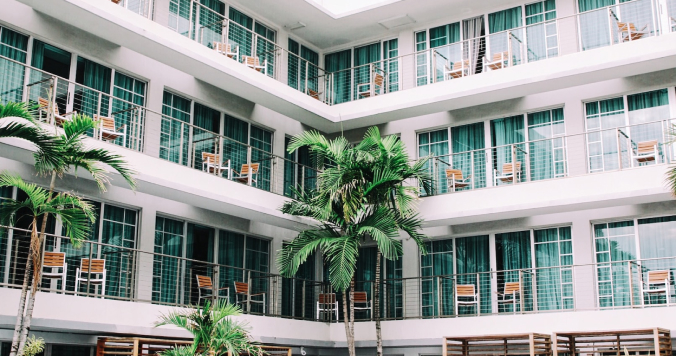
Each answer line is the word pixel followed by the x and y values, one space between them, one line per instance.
pixel 214 330
pixel 360 197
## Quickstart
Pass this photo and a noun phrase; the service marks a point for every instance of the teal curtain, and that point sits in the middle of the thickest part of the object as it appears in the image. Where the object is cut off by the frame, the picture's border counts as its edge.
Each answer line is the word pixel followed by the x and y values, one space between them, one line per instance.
pixel 294 78
pixel 305 60
pixel 362 71
pixel 504 133
pixel 504 20
pixel 132 91
pixel 13 45
pixel 391 51
pixel 205 135
pixel 209 27
pixel 98 77
pixel 594 24
pixel 234 148
pixel 337 64
pixel 513 262
pixel 51 60
pixel 289 170
pixel 436 269
pixel 265 47
pixel 474 264
pixel 298 292
pixel 554 280
pixel 604 115
pixel 615 244
pixel 199 248
pixel 257 261
pixel 174 135
pixel 546 150
pixel 435 143
pixel 656 240
pixel 261 141
pixel 119 229
pixel 644 109
pixel 239 32
pixel 501 21
pixel 231 260
pixel 166 270
pixel 440 38
pixel 465 139
pixel 541 31
pixel 588 5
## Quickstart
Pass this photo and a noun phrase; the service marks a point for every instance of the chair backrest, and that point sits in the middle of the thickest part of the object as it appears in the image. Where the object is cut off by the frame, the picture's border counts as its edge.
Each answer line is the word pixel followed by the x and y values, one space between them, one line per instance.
pixel 222 47
pixel 241 288
pixel 107 123
pixel 512 287
pixel 252 61
pixel 646 147
pixel 454 173
pixel 254 168
pixel 210 157
pixel 500 56
pixel 464 290
pixel 97 265
pixel 658 276
pixel 626 26
pixel 313 93
pixel 203 281
pixel 54 259
pixel 379 79
pixel 508 168
pixel 360 297
pixel 458 65
pixel 327 298
pixel 44 104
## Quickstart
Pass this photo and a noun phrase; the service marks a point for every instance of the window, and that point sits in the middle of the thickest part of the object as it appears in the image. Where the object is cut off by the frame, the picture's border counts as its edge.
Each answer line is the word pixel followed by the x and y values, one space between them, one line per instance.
pixel 174 135
pixel 421 58
pixel 241 31
pixel 365 275
pixel 300 176
pixel 599 20
pixel 508 135
pixel 513 262
pixel 303 68
pixel 437 263
pixel 363 56
pixel 500 40
pixel 467 144
pixel 238 132
pixel 547 151
pixel 434 143
pixel 391 67
pixel 298 292
pixel 166 270
pixel 554 281
pixel 13 45
pixel 541 30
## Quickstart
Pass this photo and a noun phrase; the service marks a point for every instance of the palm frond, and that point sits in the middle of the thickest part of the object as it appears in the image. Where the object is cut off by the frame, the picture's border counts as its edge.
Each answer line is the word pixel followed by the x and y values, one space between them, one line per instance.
pixel 21 110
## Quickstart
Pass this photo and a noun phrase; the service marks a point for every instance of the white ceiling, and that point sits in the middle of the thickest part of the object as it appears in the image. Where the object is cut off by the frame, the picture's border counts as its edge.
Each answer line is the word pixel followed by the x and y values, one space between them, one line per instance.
pixel 326 32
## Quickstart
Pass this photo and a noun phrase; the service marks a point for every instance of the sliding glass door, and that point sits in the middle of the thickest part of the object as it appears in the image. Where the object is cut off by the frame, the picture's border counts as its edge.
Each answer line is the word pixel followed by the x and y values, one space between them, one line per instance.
pixel 341 78
pixel 437 284
pixel 435 144
pixel 541 30
pixel 303 70
pixel 445 54
pixel 547 151
pixel 174 134
pixel 390 291
pixel 615 245
pixel 13 45
pixel 511 44
pixel 474 265
pixel 54 61
pixel 645 110
pixel 513 263
pixel 554 273
pixel 508 136
pixel 468 154
pixel 169 236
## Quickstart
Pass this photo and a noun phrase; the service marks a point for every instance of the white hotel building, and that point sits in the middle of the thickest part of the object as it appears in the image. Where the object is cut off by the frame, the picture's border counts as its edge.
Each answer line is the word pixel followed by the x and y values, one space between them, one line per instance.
pixel 556 113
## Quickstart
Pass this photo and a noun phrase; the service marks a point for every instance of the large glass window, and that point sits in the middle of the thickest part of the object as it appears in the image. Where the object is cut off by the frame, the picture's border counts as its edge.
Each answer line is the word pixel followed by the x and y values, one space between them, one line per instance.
pixel 547 151
pixel 300 176
pixel 338 64
pixel 421 59
pixel 513 262
pixel 436 269
pixel 390 293
pixel 473 264
pixel 298 293
pixel 554 274
pixel 133 92
pixel 468 156
pixel 174 135
pixel 435 143
pixel 541 30
pixel 508 136
pixel 501 41
pixel 13 45
pixel 445 55
pixel 303 70
pixel 363 56
pixel 52 60
pixel 391 66
pixel 615 245
pixel 169 235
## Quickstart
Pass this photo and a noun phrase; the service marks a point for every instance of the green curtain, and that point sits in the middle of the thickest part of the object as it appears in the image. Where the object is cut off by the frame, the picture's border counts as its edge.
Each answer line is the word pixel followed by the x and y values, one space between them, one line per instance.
pixel 508 131
pixel 98 77
pixel 435 143
pixel 131 90
pixel 119 229
pixel 470 138
pixel 174 135
pixel 289 169
pixel 199 248
pixel 265 47
pixel 13 45
pixel 51 60
pixel 234 148
pixel 438 262
pixel 239 31
pixel 210 25
pixel 553 251
pixel 513 262
pixel 656 240
pixel 257 263
pixel 644 109
pixel 166 273
pixel 501 21
pixel 204 136
pixel 337 64
pixel 473 259
pixel 546 153
pixel 588 5
pixel 541 36
pixel 298 292
pixel 179 16
pixel 261 141
pixel 295 77
pixel 231 259
pixel 362 72
pixel 365 275
pixel 604 115
pixel 615 243
pixel 594 25
pixel 440 38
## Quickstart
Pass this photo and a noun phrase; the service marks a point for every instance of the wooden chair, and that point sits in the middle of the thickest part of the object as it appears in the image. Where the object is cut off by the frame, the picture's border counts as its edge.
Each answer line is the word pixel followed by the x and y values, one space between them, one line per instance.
pixel 627 31
pixel 204 284
pixel 508 173
pixel 248 174
pixel 53 261
pixel 645 151
pixel 457 70
pixel 327 302
pixel 108 131
pixel 254 63
pixel 91 273
pixel 498 61
pixel 364 90
pixel 456 181
pixel 227 50
pixel 211 163
pixel 362 299
pixel 58 118
pixel 511 292
pixel 242 290
pixel 672 20
pixel 313 94
pixel 657 278
pixel 469 297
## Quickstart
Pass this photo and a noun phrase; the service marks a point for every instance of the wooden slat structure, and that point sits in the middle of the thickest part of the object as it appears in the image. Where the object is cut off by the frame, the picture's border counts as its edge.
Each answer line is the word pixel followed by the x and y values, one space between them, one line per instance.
pixel 507 345
pixel 272 351
pixel 135 346
pixel 655 341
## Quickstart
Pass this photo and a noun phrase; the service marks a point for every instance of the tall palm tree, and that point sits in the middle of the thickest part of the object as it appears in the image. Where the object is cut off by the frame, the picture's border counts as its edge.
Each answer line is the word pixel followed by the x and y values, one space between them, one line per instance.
pixel 360 196
pixel 214 330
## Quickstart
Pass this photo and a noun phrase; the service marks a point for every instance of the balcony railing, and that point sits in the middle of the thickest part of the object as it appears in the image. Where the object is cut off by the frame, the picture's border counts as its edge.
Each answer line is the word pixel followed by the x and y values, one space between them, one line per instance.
pixel 162 278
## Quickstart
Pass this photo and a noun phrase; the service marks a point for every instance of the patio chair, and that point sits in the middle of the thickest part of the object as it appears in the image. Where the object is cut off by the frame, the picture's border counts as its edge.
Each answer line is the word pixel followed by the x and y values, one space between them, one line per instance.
pixel 91 273
pixel 204 284
pixel 107 129
pixel 627 31
pixel 52 262
pixel 456 181
pixel 510 294
pixel 248 174
pixel 254 63
pixel 365 90
pixel 672 20
pixel 465 294
pixel 457 70
pixel 211 163
pixel 658 282
pixel 227 50
pixel 242 291
pixel 507 175
pixel 313 94
pixel 59 119
pixel 327 303
pixel 362 302
pixel 645 152
pixel 498 61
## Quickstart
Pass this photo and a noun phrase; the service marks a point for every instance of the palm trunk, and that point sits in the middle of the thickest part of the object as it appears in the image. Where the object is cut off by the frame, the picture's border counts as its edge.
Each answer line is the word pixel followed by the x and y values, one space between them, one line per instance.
pixel 346 319
pixel 22 305
pixel 36 245
pixel 353 351
pixel 376 306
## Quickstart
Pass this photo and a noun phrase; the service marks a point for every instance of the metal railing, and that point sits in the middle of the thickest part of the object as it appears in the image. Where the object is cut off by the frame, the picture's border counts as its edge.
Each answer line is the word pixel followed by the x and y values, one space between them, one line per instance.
pixel 551 158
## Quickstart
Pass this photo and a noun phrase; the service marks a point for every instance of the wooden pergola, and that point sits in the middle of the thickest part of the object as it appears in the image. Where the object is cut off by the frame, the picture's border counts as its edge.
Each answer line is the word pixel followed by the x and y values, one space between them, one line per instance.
pixel 655 341
pixel 138 346
pixel 506 345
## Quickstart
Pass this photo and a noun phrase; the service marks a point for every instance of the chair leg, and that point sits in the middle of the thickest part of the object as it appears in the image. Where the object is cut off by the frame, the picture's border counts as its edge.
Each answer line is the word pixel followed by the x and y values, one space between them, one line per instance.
pixel 77 280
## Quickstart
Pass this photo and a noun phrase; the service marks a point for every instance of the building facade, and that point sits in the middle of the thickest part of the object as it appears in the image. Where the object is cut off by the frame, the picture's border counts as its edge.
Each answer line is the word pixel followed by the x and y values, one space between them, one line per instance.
pixel 549 124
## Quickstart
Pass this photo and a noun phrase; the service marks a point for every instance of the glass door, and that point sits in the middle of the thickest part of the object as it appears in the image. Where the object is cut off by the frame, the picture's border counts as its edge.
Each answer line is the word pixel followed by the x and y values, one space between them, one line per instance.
pixel 199 248
pixel 554 273
pixel 13 45
pixel 541 30
pixel 513 263
pixel 468 154
pixel 547 151
pixel 169 241
pixel 54 61
pixel 437 284
pixel 473 267
pixel 508 136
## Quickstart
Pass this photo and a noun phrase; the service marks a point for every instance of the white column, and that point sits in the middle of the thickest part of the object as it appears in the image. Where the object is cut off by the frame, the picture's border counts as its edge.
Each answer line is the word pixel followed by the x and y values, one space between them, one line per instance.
pixel 146 244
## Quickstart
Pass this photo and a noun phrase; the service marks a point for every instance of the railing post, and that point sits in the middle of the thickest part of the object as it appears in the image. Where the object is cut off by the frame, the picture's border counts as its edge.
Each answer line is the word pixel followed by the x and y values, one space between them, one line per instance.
pixel 610 26
pixel 435 179
pixel 472 173
pixel 52 101
pixel 509 48
pixel 521 292
pixel 307 70
pixel 438 296
pixel 97 131
pixel 631 285
pixel 215 294
pixel 89 270
pixel 190 22
pixel 273 164
pixel 254 49
pixel 302 301
pixel 433 76
pixel 302 177
pixel 248 161
pixel 193 153
pixel 248 292
pixel 515 174
pixel 180 151
pixel 619 151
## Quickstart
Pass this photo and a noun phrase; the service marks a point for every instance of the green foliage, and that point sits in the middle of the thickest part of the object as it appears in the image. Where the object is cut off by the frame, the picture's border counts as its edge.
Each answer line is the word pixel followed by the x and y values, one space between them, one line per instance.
pixel 213 329
pixel 21 110
pixel 33 346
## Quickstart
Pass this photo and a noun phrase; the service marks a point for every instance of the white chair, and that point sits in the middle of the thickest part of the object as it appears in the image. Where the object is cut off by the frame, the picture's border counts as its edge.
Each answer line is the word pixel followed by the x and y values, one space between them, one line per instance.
pixel 211 164
pixel 645 152
pixel 498 61
pixel 511 292
pixel 456 181
pixel 204 284
pixel 53 261
pixel 255 63
pixel 227 50
pixel 108 131
pixel 627 31
pixel 248 174
pixel 375 87
pixel 327 303
pixel 362 302
pixel 457 70
pixel 658 282
pixel 469 297
pixel 91 273
pixel 242 290
pixel 508 174
pixel 59 119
